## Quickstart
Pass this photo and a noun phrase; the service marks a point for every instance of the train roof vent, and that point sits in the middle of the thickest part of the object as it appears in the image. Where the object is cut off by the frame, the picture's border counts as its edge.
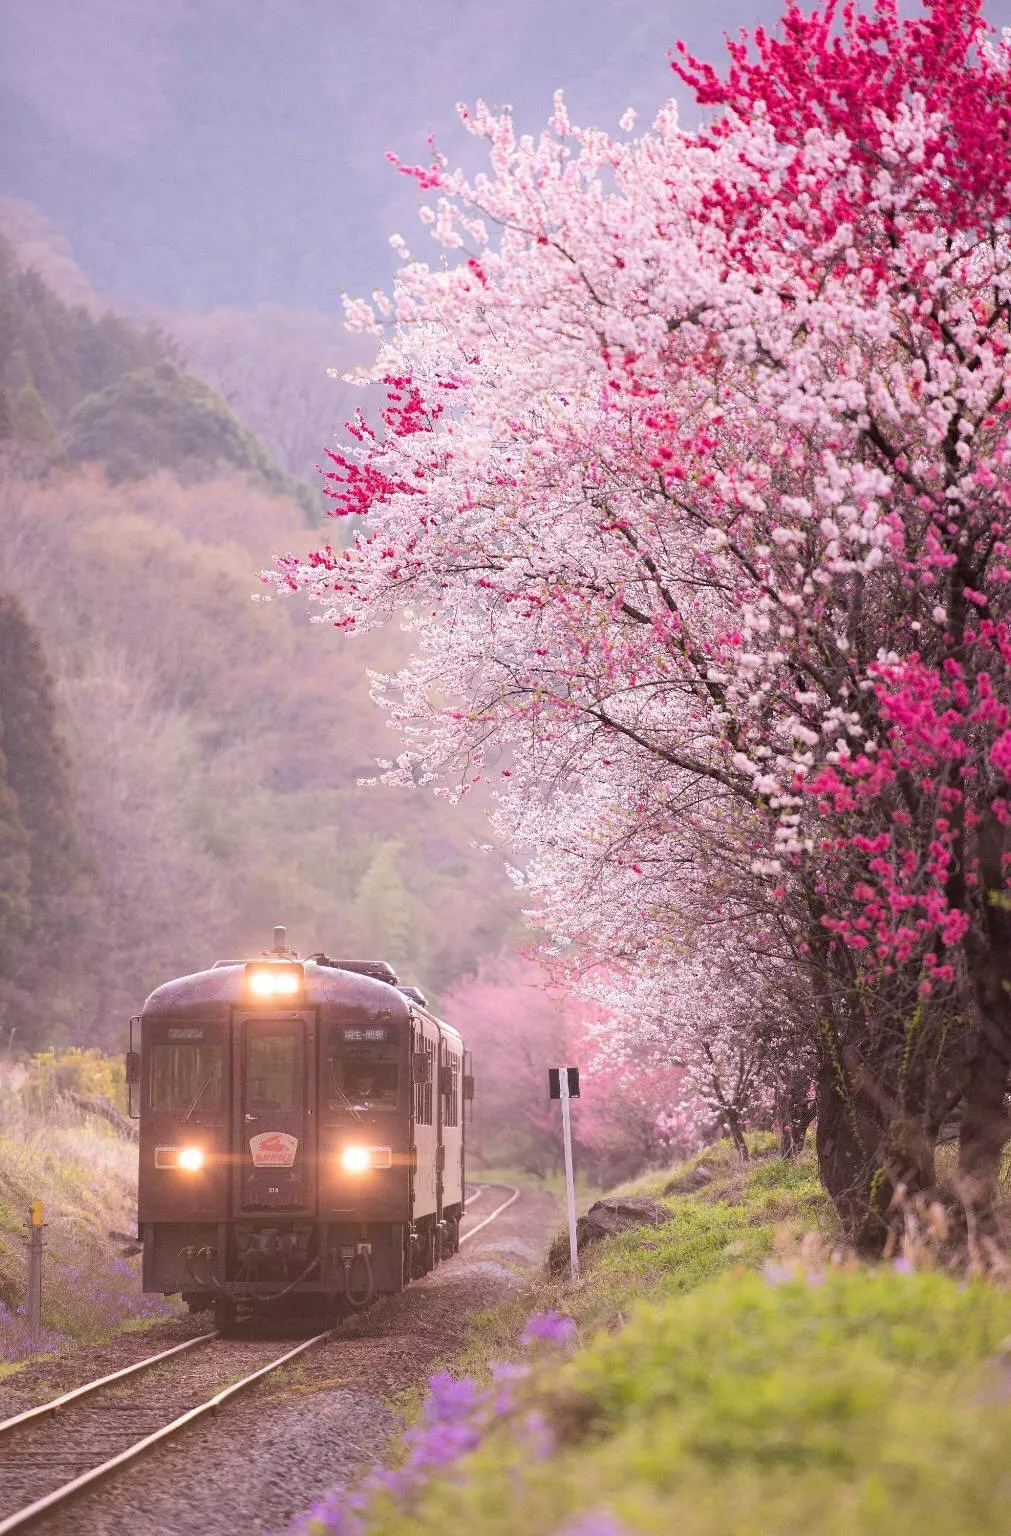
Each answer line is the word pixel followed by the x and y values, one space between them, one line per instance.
pixel 380 970
pixel 416 995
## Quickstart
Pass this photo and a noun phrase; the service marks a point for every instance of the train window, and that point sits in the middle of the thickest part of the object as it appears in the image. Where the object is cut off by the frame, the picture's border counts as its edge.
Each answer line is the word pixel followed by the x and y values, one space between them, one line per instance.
pixel 362 1083
pixel 451 1100
pixel 186 1075
pixel 423 1091
pixel 273 1071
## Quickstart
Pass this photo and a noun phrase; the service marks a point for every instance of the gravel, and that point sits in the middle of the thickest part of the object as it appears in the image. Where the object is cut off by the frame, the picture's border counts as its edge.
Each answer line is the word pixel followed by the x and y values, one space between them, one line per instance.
pixel 247 1470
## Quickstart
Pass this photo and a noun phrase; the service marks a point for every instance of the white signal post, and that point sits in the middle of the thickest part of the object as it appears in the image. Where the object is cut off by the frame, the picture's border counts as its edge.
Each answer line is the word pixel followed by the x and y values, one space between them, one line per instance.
pixel 570 1191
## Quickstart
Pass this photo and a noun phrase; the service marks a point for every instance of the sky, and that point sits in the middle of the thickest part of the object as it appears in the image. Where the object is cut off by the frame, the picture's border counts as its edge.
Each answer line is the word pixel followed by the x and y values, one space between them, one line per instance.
pixel 205 153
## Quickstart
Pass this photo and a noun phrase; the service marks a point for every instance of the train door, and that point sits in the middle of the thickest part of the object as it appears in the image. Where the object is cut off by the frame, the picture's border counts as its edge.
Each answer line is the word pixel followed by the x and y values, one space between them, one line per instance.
pixel 274 1082
pixel 451 1161
pixel 425 1128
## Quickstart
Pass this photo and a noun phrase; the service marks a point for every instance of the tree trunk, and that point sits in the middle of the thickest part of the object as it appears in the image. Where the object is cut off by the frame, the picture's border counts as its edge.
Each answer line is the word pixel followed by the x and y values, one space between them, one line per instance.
pixel 733 1125
pixel 796 1110
pixel 985 1128
pixel 849 1146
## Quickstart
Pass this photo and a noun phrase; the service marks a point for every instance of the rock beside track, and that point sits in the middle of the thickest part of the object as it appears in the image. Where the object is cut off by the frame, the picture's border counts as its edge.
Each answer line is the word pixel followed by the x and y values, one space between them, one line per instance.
pixel 605 1218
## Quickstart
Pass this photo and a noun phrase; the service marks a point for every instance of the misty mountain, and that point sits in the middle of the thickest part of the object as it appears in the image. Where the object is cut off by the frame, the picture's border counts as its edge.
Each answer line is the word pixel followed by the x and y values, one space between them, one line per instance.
pixel 221 153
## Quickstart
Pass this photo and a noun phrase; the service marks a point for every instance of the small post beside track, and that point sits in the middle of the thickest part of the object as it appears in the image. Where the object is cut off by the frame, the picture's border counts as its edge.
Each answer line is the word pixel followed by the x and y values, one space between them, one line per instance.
pixel 563 1084
pixel 34 1307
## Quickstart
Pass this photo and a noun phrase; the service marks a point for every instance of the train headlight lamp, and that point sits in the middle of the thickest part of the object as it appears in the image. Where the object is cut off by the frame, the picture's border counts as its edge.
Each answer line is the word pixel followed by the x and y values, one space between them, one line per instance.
pixel 274 981
pixel 186 1159
pixel 361 1159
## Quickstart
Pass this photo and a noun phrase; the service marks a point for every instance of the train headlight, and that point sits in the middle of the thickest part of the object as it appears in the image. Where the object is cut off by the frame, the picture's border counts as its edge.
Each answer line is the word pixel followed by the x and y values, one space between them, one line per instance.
pixel 360 1159
pixel 273 980
pixel 188 1159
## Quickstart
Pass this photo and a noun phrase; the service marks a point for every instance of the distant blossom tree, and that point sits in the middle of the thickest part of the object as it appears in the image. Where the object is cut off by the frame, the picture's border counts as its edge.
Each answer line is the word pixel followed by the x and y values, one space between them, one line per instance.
pixel 518 1022
pixel 693 475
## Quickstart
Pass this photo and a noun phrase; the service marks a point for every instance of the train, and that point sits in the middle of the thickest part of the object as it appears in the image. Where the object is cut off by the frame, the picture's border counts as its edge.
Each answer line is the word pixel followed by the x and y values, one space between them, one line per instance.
pixel 302 1135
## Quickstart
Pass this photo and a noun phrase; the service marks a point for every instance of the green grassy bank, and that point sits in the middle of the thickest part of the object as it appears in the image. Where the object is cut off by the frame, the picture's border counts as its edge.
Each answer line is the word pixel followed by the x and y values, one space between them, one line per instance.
pixel 85 1173
pixel 736 1374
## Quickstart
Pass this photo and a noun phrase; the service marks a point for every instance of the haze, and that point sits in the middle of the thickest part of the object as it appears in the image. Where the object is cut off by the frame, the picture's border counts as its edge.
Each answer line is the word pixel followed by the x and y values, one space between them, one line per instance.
pixel 200 153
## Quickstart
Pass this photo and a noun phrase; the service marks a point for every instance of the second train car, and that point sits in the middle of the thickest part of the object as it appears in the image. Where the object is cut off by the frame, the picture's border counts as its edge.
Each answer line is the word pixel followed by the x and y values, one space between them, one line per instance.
pixel 302 1134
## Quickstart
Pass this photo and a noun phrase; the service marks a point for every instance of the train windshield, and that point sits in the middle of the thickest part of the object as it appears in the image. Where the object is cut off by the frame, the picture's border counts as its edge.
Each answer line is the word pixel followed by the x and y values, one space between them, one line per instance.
pixel 186 1075
pixel 274 1071
pixel 362 1084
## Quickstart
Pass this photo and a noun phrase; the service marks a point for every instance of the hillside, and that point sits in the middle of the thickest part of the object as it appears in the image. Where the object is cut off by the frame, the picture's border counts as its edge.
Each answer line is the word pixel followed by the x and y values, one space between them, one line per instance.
pixel 730 1372
pixel 85 1173
pixel 83 387
pixel 210 744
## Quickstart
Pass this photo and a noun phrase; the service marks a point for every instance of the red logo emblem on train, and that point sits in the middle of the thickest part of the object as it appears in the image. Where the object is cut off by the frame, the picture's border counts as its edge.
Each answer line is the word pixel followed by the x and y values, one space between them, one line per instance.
pixel 273 1149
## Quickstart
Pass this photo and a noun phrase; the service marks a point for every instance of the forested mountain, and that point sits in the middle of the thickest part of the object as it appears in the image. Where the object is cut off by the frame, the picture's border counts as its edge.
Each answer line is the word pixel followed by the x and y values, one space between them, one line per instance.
pixel 180 761
pixel 97 388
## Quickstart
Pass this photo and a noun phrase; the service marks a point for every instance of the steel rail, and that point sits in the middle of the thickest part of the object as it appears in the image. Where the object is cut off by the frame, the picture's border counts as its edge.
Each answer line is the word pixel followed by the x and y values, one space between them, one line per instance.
pixel 31 1512
pixel 466 1236
pixel 24 1517
pixel 57 1403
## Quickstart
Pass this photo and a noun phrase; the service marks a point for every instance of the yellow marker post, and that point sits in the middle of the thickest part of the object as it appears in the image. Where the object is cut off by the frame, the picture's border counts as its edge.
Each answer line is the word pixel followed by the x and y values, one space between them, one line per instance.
pixel 36 1213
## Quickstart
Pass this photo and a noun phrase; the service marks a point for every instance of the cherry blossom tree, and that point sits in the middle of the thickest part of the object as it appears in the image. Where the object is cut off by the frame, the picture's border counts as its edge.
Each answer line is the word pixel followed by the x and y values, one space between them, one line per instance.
pixel 692 484
pixel 520 1020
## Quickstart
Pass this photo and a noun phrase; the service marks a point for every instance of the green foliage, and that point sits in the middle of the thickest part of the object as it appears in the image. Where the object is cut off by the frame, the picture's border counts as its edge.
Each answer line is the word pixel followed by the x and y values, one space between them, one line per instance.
pixel 87 1071
pixel 113 392
pixel 31 422
pixel 215 750
pixel 861 1405
pixel 161 418
pixel 60 351
pixel 85 1174
pixel 53 906
pixel 712 1400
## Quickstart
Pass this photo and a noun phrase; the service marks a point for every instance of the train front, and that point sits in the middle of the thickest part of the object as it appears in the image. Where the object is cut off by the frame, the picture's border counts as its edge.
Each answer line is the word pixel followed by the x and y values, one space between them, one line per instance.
pixel 275 1136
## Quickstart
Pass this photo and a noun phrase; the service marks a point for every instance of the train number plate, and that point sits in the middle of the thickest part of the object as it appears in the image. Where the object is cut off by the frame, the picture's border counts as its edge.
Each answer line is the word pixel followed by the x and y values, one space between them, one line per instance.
pixel 273 1149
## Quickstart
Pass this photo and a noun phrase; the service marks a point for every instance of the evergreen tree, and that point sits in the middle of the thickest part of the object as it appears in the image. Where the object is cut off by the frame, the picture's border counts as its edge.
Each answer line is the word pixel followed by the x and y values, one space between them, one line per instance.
pixel 49 884
pixel 384 914
pixel 59 349
pixel 31 420
pixel 162 418
pixel 15 874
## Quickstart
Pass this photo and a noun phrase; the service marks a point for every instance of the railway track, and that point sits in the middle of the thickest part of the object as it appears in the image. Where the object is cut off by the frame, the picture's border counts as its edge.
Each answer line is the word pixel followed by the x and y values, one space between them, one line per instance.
pixel 51 1453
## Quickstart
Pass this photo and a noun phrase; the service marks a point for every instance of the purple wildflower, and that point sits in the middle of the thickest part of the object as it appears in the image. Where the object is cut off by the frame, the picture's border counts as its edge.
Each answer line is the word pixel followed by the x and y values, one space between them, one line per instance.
pixel 450 1398
pixel 903 1266
pixel 452 1421
pixel 337 1513
pixel 549 1328
pixel 598 1523
pixel 535 1435
pixel 439 1445
pixel 505 1375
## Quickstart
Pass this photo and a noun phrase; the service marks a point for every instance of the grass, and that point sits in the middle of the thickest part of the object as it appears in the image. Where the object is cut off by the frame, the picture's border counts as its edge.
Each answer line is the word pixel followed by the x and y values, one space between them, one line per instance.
pixel 85 1174
pixel 737 1375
